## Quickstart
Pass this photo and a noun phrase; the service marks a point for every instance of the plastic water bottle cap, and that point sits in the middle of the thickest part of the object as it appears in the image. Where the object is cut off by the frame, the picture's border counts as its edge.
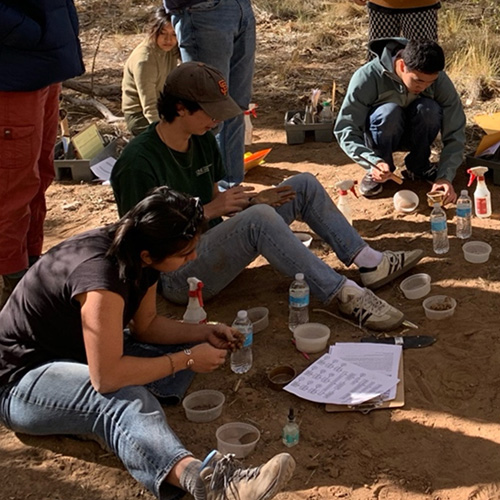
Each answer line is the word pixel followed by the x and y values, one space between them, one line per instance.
pixel 242 314
pixel 299 276
pixel 464 192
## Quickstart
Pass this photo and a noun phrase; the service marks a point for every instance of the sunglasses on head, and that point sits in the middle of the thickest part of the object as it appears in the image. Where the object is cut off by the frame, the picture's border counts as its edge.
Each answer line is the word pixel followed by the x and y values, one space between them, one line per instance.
pixel 192 225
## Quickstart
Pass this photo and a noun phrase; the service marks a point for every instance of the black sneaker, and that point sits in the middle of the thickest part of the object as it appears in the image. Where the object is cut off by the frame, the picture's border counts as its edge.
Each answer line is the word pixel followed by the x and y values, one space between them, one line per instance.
pixel 368 187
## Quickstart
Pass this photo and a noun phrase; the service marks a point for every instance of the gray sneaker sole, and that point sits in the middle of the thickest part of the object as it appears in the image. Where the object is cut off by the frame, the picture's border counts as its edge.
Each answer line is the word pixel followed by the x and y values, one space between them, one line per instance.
pixel 407 266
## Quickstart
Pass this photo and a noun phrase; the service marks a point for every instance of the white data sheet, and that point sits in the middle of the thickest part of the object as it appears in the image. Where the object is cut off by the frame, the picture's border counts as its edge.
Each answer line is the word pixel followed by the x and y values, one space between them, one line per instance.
pixel 334 380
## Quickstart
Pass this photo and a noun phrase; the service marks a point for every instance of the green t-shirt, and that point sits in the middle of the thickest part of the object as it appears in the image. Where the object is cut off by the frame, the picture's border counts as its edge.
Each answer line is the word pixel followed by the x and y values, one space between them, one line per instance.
pixel 147 163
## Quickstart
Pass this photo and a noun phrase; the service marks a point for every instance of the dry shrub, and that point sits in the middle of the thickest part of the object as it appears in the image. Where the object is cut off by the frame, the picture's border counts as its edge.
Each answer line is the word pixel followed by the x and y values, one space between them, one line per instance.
pixel 288 9
pixel 475 68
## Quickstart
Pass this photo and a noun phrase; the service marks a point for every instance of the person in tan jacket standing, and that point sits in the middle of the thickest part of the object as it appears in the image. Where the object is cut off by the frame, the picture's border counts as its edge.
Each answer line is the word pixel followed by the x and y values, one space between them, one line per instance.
pixel 411 19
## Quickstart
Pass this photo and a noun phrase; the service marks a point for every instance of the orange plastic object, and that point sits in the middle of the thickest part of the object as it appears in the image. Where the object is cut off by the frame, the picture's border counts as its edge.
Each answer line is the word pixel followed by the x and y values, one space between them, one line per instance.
pixel 254 159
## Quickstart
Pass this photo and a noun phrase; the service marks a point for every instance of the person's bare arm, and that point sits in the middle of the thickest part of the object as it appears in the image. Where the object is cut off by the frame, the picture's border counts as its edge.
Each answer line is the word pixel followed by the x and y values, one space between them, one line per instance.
pixel 110 369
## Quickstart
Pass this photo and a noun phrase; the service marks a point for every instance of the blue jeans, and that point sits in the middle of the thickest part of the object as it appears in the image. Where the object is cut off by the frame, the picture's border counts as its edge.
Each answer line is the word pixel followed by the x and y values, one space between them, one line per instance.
pixel 222 33
pixel 225 250
pixel 58 398
pixel 414 128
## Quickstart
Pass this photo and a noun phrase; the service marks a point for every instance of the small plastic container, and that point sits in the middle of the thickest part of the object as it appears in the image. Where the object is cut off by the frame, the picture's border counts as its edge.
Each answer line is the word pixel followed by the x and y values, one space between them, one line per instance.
pixel 311 337
pixel 238 438
pixel 439 306
pixel 405 201
pixel 203 406
pixel 416 286
pixel 476 252
pixel 280 376
pixel 435 197
pixel 259 316
pixel 305 238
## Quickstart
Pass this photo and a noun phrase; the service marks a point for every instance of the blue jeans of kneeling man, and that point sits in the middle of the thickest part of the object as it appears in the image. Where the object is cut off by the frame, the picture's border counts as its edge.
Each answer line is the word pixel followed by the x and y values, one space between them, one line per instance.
pixel 392 128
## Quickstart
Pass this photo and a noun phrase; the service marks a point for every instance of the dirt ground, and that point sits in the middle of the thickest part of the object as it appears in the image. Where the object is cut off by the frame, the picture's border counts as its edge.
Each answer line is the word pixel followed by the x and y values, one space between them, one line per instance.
pixel 441 445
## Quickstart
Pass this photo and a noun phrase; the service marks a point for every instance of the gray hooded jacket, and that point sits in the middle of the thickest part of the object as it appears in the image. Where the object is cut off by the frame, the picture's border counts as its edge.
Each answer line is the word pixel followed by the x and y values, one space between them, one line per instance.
pixel 376 83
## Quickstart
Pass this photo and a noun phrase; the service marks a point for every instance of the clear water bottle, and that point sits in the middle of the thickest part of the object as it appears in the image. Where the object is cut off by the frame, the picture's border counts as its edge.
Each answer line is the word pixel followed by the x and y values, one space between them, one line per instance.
pixel 326 113
pixel 464 210
pixel 298 302
pixel 439 229
pixel 241 360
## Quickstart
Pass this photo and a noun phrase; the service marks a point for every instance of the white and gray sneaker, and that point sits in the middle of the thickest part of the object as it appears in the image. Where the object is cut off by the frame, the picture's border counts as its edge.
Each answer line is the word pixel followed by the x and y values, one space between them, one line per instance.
pixel 368 310
pixel 393 264
pixel 226 479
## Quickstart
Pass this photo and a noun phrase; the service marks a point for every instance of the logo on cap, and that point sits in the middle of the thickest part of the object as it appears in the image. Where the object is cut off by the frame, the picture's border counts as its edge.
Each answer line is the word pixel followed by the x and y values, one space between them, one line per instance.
pixel 222 87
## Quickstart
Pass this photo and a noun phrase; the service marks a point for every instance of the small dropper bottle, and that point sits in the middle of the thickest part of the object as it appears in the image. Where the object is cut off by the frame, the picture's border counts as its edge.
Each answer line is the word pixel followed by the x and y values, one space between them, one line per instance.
pixel 291 431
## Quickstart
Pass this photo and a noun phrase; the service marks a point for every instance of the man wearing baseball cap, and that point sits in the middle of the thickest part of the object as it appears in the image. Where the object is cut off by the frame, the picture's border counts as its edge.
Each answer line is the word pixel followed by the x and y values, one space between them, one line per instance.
pixel 205 85
pixel 178 152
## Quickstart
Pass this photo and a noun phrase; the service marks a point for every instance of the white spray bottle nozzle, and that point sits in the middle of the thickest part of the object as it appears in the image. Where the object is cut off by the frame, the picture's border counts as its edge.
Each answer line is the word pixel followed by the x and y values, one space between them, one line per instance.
pixel 347 185
pixel 195 286
pixel 476 172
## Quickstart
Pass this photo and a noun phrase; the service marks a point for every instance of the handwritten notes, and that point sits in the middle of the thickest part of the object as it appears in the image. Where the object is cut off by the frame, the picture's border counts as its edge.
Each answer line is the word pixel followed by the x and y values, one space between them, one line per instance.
pixel 350 375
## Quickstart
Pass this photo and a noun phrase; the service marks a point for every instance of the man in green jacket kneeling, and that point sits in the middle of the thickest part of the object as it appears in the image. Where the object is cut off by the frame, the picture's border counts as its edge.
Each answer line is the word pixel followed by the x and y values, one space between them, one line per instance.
pixel 400 101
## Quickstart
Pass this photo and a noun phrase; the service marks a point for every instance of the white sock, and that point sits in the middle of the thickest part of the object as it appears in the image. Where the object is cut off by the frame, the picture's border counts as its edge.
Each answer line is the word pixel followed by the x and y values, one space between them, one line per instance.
pixel 368 257
pixel 351 284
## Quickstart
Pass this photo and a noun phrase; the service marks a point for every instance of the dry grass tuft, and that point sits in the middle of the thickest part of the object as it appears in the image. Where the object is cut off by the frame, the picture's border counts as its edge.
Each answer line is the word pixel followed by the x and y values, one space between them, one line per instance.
pixel 475 68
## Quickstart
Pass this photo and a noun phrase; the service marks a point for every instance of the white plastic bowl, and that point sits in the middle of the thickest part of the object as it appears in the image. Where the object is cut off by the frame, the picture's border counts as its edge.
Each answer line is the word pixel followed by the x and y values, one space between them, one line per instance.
pixel 432 306
pixel 416 286
pixel 311 337
pixel 203 406
pixel 259 316
pixel 476 252
pixel 305 238
pixel 238 438
pixel 405 201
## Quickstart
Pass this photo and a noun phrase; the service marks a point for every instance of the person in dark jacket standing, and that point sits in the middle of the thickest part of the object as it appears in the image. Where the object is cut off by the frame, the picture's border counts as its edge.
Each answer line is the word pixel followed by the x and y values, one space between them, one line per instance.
pixel 39 48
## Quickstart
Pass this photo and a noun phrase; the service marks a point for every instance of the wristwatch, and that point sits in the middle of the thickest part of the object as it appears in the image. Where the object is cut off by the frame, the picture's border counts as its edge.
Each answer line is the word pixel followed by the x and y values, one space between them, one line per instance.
pixel 190 361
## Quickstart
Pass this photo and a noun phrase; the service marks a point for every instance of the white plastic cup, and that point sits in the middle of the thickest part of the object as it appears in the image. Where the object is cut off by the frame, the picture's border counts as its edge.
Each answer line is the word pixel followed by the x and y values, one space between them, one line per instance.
pixel 311 337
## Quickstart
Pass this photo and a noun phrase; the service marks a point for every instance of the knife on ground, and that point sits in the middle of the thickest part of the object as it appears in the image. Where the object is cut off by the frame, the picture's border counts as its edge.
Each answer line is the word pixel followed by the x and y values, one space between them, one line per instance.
pixel 408 342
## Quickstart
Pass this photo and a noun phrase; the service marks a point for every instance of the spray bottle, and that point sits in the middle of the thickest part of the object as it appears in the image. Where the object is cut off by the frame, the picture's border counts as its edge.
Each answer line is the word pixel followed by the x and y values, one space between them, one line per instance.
pixel 248 122
pixel 195 312
pixel 343 202
pixel 482 197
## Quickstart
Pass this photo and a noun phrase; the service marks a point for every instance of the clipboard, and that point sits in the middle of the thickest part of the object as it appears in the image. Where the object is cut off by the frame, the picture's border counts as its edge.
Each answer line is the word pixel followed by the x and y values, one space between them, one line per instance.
pixel 88 142
pixel 376 403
